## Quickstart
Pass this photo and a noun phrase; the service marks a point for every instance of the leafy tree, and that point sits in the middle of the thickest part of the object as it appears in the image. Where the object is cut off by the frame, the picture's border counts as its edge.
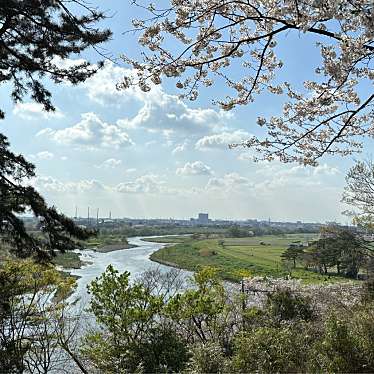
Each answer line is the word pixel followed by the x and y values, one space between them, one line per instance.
pixel 163 351
pixel 342 248
pixel 127 315
pixel 32 304
pixel 325 253
pixel 202 313
pixel 236 42
pixel 292 253
pixel 36 38
pixel 237 232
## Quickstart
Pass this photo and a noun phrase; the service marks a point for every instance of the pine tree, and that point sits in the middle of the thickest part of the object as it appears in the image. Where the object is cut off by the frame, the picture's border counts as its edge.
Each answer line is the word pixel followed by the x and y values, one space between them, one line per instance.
pixel 36 38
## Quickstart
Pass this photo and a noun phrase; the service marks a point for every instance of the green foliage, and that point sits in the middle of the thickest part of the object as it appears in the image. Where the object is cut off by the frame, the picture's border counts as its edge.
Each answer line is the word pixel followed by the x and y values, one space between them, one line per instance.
pixel 68 260
pixel 283 305
pixel 32 300
pixel 345 343
pixel 131 336
pixel 163 351
pixel 270 350
pixel 201 309
pixel 239 253
pixel 339 349
pixel 207 358
pixel 237 232
pixel 57 232
pixel 36 35
pixel 340 248
pixel 203 330
pixel 292 253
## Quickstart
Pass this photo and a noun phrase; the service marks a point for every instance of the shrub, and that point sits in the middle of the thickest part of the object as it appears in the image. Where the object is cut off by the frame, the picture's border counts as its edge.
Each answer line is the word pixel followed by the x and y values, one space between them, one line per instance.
pixel 207 358
pixel 285 305
pixel 270 350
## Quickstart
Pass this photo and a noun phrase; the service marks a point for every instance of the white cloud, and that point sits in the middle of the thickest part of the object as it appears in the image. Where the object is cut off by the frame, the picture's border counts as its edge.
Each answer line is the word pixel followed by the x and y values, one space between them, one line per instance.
pixel 90 132
pixel 111 163
pixel 67 63
pixel 168 115
pixel 102 86
pixel 222 140
pixel 228 182
pixel 159 111
pixel 246 155
pixel 148 183
pixel 50 184
pixel 276 176
pixel 34 111
pixel 130 170
pixel 179 148
pixel 44 155
pixel 194 168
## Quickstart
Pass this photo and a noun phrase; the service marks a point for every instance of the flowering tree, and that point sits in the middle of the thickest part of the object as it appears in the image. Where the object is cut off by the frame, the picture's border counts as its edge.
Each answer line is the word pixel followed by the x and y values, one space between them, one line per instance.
pixel 199 42
pixel 359 192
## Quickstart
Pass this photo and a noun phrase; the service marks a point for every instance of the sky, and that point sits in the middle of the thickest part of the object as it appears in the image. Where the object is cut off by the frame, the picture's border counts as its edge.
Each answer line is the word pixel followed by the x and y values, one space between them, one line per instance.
pixel 138 154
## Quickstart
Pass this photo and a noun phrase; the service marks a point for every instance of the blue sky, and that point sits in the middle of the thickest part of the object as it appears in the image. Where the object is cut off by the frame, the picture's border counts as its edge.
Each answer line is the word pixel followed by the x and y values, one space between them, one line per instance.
pixel 152 155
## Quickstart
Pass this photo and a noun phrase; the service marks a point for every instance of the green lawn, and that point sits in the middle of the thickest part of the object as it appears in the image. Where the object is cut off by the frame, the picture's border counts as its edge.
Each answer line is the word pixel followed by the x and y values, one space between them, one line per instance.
pixel 234 255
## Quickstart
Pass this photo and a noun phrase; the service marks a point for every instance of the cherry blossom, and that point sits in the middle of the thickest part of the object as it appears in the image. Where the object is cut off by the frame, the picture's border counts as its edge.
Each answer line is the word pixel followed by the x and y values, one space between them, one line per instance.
pixel 202 42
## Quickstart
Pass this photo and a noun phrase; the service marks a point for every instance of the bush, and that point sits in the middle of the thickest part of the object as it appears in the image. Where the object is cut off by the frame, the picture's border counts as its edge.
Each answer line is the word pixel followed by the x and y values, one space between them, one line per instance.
pixel 270 350
pixel 207 358
pixel 285 305
pixel 163 352
pixel 346 345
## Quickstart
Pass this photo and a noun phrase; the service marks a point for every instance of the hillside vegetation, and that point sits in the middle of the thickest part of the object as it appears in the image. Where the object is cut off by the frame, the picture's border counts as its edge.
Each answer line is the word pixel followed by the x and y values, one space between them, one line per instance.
pixel 236 256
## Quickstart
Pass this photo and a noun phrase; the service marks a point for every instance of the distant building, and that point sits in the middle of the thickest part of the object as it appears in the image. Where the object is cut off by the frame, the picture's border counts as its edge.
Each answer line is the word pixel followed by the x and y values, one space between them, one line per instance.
pixel 202 219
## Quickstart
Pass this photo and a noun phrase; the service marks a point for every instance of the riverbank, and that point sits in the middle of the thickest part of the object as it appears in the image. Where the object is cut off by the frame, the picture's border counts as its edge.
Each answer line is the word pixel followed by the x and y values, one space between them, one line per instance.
pixel 233 257
pixel 112 247
pixel 134 260
pixel 72 260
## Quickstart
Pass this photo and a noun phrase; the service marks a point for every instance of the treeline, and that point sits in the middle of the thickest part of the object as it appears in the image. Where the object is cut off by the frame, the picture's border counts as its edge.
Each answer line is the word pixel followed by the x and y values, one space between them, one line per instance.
pixel 338 250
pixel 155 325
pixel 224 231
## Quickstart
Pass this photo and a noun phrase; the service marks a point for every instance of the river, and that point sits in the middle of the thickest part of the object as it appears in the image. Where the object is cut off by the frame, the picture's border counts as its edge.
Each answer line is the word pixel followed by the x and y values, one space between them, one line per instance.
pixel 135 260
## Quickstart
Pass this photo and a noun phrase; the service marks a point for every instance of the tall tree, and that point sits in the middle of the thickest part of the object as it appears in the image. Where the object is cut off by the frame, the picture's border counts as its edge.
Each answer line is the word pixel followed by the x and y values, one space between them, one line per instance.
pixel 202 42
pixel 292 253
pixel 32 302
pixel 16 198
pixel 359 192
pixel 36 38
pixel 342 248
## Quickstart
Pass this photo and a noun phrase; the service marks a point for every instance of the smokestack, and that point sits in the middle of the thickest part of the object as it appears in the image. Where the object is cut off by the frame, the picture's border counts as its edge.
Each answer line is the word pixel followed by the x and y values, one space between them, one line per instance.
pixel 88 215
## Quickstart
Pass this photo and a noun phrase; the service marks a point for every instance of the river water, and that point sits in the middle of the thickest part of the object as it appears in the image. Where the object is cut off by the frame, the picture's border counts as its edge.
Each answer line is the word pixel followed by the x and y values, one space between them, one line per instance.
pixel 135 260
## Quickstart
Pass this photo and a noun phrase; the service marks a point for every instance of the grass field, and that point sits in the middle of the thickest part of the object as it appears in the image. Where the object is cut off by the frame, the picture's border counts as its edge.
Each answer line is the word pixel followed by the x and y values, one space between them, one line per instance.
pixel 168 239
pixel 256 255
